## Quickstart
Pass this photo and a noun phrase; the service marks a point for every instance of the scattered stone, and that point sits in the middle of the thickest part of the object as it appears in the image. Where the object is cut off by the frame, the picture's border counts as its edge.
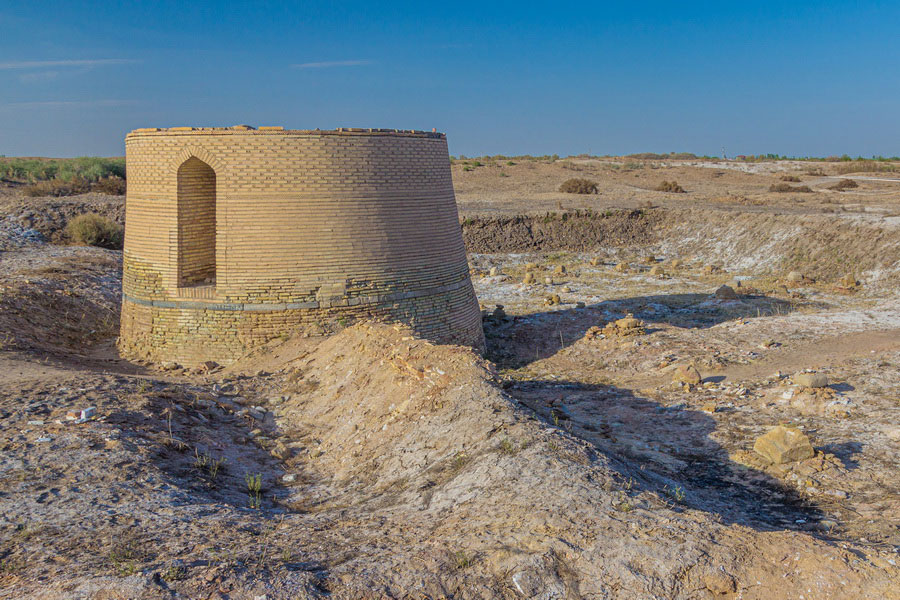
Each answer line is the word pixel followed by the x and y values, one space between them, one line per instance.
pixel 783 445
pixel 494 271
pixel 560 270
pixel 657 271
pixel 565 289
pixel 726 293
pixel 795 277
pixel 552 300
pixel 89 413
pixel 289 478
pixel 622 268
pixel 596 261
pixel 530 266
pixel 579 304
pixel 675 263
pixel 170 366
pixel 44 439
pixel 811 380
pixel 498 314
pixel 209 366
pixel 548 280
pixel 36 423
pixel 710 269
pixel 529 278
pixel 687 374
pixel 650 259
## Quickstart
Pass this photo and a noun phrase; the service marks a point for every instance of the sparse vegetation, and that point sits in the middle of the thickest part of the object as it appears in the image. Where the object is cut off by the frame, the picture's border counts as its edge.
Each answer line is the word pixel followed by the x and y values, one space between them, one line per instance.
pixel 671 187
pixel 58 187
pixel 91 229
pixel 790 178
pixel 578 186
pixel 90 168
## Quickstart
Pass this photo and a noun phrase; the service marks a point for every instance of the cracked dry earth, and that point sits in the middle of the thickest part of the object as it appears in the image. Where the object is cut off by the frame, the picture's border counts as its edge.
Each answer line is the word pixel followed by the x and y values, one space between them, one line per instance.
pixel 567 464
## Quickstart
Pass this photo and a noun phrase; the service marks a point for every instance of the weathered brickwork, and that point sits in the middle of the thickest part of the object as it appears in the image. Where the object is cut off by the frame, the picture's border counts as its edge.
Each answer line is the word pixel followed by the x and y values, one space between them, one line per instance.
pixel 235 236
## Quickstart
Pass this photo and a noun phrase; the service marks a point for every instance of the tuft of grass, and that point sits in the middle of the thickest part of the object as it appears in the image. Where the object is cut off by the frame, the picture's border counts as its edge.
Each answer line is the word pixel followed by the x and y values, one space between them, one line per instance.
pixel 461 560
pixel 790 178
pixel 783 188
pixel 671 187
pixel 254 489
pixel 578 185
pixel 843 185
pixel 91 229
pixel 507 446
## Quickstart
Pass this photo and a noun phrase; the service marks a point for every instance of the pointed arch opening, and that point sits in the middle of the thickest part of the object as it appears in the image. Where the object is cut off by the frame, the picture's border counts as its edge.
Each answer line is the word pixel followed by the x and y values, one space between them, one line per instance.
pixel 196 224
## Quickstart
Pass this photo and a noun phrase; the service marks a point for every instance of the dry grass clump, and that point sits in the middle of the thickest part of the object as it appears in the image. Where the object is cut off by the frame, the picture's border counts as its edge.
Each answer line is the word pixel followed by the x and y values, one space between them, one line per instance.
pixel 843 184
pixel 790 178
pixel 783 188
pixel 91 229
pixel 671 187
pixel 58 187
pixel 577 185
pixel 112 185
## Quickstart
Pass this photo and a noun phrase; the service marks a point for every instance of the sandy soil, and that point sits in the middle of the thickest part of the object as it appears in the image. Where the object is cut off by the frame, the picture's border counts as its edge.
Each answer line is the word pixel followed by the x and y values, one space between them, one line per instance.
pixel 569 464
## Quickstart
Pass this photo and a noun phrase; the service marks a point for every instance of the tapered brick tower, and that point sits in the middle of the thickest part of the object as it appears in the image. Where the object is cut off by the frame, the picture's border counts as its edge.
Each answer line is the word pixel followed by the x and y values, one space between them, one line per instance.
pixel 235 236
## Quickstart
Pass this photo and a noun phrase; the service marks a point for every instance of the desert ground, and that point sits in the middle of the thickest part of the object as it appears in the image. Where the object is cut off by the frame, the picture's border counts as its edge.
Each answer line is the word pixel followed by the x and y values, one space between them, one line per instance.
pixel 688 394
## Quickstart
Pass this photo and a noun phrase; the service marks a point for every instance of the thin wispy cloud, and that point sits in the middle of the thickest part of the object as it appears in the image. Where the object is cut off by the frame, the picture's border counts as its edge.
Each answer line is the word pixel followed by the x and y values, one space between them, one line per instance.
pixel 68 104
pixel 52 64
pixel 327 64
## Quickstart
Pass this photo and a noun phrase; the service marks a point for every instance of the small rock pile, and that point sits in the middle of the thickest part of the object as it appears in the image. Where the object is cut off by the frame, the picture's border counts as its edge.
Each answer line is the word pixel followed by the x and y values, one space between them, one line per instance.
pixel 624 327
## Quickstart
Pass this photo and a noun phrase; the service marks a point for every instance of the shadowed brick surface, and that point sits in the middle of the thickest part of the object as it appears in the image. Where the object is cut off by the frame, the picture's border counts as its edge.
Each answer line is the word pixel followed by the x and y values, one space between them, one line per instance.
pixel 236 236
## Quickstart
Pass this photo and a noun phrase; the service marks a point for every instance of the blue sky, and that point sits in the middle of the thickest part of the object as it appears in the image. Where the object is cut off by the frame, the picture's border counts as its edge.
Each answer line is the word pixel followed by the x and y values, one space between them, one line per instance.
pixel 799 78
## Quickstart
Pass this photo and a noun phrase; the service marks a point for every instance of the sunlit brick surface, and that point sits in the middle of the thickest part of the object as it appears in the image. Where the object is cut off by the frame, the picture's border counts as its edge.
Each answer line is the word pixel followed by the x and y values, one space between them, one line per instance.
pixel 237 236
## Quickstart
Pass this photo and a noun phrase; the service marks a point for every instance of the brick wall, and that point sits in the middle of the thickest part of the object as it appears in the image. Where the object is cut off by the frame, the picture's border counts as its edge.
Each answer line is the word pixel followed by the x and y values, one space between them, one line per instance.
pixel 308 226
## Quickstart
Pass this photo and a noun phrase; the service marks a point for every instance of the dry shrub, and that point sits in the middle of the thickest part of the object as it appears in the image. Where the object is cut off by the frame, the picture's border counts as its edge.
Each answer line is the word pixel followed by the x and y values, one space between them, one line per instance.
pixel 790 178
pixel 670 186
pixel 92 229
pixel 58 187
pixel 112 185
pixel 843 184
pixel 579 186
pixel 817 172
pixel 783 187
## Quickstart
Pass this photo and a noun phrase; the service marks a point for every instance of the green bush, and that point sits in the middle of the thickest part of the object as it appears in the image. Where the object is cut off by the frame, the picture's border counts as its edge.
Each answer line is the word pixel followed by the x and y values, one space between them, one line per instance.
pixel 91 168
pixel 91 229
pixel 578 186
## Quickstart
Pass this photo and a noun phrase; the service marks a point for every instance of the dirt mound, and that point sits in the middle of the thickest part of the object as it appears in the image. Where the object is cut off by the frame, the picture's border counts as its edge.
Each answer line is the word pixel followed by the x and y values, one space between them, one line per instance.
pixel 455 488
pixel 59 299
pixel 560 231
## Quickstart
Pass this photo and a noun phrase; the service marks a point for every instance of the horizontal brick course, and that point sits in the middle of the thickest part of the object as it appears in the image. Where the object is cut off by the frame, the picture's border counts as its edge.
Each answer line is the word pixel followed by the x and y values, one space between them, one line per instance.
pixel 236 236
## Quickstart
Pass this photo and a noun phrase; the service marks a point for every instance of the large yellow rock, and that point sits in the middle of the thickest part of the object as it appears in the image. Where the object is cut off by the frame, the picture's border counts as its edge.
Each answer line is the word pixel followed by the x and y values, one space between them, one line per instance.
pixel 783 445
pixel 687 374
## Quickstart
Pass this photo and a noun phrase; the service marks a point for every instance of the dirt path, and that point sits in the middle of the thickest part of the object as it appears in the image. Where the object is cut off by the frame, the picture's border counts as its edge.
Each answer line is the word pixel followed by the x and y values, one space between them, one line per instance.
pixel 824 352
